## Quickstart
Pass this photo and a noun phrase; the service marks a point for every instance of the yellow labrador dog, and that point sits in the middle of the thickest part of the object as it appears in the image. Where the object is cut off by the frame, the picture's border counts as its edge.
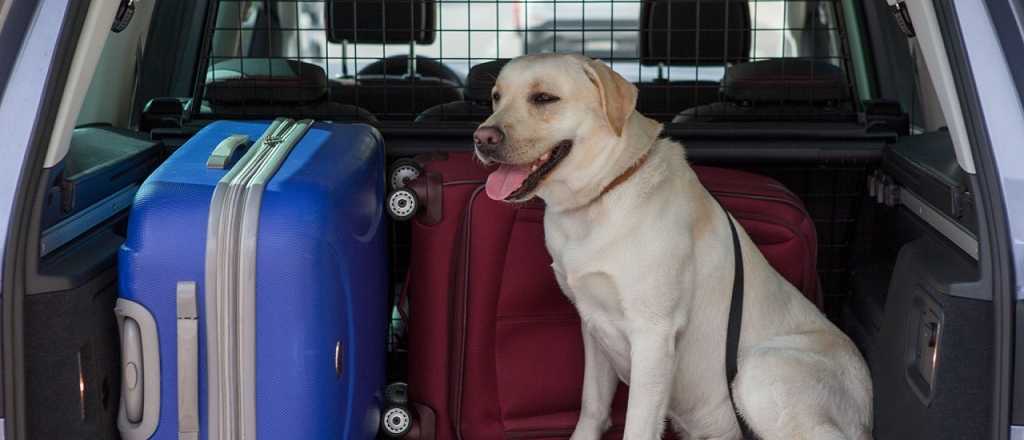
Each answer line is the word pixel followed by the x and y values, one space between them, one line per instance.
pixel 646 255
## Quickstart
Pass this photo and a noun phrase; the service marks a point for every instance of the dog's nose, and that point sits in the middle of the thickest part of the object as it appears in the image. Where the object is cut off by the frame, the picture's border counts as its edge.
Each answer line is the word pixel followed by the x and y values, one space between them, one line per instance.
pixel 488 136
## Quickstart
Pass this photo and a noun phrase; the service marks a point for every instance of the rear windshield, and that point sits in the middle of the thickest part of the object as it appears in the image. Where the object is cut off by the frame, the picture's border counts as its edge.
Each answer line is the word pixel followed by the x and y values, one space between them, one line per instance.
pixel 465 33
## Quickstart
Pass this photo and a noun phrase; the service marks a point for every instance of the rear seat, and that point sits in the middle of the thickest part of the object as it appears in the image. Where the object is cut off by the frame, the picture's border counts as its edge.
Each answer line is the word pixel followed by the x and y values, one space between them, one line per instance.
pixel 263 87
pixel 477 105
pixel 398 65
pixel 394 97
pixel 779 89
pixel 689 33
pixel 389 96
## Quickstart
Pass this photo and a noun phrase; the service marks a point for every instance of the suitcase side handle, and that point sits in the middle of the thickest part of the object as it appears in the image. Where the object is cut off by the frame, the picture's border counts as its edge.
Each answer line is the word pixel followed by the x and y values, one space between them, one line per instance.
pixel 139 411
pixel 225 150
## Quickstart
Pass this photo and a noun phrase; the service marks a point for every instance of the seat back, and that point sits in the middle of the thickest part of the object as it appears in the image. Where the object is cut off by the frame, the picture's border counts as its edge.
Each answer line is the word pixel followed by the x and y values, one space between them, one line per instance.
pixel 394 97
pixel 271 87
pixel 387 88
pixel 689 33
pixel 476 106
pixel 398 65
pixel 778 89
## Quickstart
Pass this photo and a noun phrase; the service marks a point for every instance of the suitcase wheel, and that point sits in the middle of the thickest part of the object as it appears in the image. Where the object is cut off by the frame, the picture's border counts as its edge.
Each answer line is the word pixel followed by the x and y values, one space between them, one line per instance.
pixel 397 393
pixel 403 171
pixel 397 422
pixel 402 204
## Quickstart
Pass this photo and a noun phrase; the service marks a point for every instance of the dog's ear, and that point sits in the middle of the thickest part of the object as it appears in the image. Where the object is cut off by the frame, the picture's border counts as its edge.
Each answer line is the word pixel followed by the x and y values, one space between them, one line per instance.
pixel 618 96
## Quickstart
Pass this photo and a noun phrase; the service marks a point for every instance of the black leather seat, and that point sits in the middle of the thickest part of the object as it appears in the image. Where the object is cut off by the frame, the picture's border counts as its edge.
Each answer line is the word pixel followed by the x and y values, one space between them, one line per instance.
pixel 778 89
pixel 689 33
pixel 662 99
pixel 477 104
pixel 269 87
pixel 398 65
pixel 394 97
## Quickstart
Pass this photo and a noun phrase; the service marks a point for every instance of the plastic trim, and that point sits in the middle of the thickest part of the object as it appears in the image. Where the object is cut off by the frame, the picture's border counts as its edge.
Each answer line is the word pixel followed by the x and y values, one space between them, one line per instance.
pixel 125 311
pixel 929 36
pixel 131 361
pixel 188 361
pixel 946 227
pixel 83 65
pixel 225 149
pixel 72 227
pixel 40 54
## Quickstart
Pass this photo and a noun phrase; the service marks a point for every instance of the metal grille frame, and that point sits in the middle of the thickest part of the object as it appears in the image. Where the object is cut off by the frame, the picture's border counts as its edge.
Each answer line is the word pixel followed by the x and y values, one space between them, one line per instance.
pixel 466 33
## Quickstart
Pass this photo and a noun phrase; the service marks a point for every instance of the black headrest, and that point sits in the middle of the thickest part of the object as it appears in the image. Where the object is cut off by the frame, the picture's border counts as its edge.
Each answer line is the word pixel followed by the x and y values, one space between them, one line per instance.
pixel 264 80
pixel 381 21
pixel 480 80
pixel 785 79
pixel 691 32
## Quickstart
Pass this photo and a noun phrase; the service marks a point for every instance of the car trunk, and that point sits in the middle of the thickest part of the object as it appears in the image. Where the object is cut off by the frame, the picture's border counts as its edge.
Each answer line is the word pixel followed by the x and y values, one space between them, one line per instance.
pixel 896 219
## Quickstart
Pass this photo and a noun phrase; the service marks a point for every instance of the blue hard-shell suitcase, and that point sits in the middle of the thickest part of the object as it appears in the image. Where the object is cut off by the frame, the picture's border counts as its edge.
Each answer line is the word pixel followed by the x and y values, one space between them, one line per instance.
pixel 253 286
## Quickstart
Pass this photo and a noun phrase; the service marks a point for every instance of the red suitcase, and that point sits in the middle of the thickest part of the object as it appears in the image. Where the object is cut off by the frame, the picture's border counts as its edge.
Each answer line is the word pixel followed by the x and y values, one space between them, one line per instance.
pixel 495 349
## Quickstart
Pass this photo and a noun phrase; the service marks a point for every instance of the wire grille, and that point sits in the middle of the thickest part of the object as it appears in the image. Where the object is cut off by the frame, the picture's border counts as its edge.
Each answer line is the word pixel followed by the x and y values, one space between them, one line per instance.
pixel 833 195
pixel 414 60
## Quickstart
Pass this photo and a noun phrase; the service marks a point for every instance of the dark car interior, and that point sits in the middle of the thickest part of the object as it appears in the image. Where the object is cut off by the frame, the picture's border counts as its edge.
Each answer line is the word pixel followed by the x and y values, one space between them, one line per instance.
pixel 841 113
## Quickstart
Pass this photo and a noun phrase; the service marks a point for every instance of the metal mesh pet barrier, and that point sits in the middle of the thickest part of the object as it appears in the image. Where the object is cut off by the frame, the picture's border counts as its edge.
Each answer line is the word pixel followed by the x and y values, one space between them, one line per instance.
pixel 432 63
pixel 427 60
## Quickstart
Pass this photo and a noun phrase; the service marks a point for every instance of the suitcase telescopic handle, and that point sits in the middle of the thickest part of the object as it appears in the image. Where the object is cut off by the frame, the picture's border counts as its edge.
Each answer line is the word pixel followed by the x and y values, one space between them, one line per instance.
pixel 225 150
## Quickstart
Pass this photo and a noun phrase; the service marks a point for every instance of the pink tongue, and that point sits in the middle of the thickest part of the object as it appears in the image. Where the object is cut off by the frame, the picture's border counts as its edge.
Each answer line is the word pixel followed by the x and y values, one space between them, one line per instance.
pixel 506 180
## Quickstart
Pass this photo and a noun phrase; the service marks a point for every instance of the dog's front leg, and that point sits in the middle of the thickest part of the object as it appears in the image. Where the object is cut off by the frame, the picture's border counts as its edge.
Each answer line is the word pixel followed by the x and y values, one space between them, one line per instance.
pixel 650 382
pixel 599 383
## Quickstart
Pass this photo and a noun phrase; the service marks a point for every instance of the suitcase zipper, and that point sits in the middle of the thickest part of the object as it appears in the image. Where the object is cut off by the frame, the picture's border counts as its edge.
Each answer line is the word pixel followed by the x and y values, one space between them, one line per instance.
pixel 220 290
pixel 230 279
pixel 461 306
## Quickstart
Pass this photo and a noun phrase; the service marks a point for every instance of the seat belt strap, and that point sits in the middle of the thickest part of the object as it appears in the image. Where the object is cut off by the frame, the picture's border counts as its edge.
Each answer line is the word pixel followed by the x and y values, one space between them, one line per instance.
pixel 732 338
pixel 188 362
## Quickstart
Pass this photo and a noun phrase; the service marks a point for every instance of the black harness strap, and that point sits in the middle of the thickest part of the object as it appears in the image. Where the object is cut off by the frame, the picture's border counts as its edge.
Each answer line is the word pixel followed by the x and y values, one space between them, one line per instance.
pixel 732 338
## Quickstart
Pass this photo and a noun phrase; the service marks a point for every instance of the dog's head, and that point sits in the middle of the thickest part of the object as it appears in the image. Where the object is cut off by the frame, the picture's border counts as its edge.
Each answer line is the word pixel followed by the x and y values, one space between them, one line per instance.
pixel 555 118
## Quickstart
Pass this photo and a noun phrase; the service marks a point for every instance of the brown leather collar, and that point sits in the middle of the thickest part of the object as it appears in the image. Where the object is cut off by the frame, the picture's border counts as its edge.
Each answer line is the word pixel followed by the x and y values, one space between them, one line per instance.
pixel 622 177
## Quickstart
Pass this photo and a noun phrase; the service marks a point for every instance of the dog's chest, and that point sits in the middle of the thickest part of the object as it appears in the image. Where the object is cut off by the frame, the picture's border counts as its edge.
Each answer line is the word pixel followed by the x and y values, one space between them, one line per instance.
pixel 599 304
pixel 598 300
pixel 588 265
pixel 585 268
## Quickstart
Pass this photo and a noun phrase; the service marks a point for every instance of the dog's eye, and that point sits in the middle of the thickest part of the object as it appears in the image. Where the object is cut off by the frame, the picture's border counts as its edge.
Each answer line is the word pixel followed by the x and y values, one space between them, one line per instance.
pixel 543 98
pixel 496 97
